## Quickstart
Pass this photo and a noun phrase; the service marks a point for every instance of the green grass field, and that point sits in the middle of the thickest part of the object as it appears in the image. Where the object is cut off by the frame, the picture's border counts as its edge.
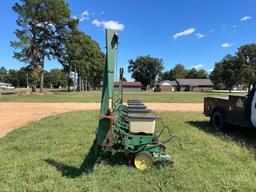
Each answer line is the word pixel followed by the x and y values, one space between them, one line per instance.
pixel 94 97
pixel 47 156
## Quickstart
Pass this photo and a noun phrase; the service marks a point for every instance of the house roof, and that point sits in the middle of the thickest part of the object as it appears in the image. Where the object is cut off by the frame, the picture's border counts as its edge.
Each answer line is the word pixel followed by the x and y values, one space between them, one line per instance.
pixel 194 82
pixel 168 82
pixel 126 84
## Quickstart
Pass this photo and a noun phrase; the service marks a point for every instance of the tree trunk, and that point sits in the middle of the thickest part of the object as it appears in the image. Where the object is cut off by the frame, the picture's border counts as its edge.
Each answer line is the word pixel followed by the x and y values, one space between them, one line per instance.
pixel 69 83
pixel 41 81
pixel 42 74
pixel 79 82
pixel 74 80
pixel 82 84
pixel 86 84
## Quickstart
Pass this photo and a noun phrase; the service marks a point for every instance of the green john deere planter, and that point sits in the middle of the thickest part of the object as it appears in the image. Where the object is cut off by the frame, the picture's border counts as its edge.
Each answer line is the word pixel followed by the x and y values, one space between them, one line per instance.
pixel 125 128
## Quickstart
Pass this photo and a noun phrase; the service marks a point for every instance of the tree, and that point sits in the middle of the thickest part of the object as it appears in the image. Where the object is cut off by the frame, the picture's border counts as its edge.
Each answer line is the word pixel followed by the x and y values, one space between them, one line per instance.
pixel 196 74
pixel 3 74
pixel 216 76
pixel 247 63
pixel 23 77
pixel 164 76
pixel 83 56
pixel 12 77
pixel 178 72
pixel 230 72
pixel 42 25
pixel 145 69
pixel 57 78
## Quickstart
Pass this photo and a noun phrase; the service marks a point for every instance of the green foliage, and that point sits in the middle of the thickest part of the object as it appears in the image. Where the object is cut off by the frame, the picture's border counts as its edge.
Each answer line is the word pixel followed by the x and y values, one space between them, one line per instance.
pixel 57 78
pixel 196 74
pixel 216 76
pixel 145 69
pixel 48 156
pixel 238 69
pixel 247 60
pixel 230 73
pixel 179 72
pixel 82 55
pixel 42 25
pixel 226 73
pixel 3 74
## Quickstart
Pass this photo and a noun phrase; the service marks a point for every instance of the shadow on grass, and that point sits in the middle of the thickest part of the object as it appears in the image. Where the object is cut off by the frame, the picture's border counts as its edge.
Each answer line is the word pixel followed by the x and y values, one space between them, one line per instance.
pixel 246 137
pixel 89 163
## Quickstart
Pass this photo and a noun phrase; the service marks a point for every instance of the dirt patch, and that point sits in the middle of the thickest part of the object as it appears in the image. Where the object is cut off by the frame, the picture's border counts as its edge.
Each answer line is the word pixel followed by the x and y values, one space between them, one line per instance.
pixel 15 115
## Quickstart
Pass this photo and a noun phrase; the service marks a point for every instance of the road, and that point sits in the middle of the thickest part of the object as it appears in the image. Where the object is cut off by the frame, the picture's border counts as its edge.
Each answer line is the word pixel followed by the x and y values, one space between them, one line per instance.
pixel 15 115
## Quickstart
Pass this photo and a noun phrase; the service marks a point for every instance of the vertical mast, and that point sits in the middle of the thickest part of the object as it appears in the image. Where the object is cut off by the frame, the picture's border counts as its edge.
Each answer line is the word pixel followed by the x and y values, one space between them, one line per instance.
pixel 108 87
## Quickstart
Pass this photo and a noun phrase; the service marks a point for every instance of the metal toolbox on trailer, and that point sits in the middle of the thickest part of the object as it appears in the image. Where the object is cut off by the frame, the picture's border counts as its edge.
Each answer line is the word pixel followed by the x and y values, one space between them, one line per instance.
pixel 142 123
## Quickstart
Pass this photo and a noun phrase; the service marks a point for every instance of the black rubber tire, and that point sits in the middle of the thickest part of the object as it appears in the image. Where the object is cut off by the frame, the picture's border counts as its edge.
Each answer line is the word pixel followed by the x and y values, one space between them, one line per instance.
pixel 218 121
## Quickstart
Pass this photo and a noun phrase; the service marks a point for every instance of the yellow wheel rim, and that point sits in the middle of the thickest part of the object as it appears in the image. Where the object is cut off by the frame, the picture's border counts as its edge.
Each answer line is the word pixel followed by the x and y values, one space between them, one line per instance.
pixel 143 160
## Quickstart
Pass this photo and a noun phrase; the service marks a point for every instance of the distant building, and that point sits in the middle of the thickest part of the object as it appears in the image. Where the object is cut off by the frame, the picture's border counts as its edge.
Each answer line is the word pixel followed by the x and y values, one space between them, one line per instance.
pixel 168 85
pixel 197 85
pixel 127 86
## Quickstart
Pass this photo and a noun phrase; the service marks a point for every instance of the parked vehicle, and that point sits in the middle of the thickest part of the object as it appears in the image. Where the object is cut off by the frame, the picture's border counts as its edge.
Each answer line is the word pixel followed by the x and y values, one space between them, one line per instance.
pixel 6 86
pixel 235 110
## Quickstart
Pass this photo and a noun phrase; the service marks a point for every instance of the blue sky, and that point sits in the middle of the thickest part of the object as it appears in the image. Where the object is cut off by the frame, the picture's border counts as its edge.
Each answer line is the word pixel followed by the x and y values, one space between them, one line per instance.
pixel 196 33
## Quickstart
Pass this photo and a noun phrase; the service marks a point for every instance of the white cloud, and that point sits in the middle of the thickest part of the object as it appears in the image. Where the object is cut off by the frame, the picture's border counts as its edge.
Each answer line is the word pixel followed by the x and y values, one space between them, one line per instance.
pixel 212 30
pixel 85 13
pixel 184 33
pixel 227 45
pixel 83 18
pixel 197 67
pixel 200 35
pixel 108 24
pixel 102 13
pixel 245 18
pixel 234 26
pixel 74 17
pixel 96 22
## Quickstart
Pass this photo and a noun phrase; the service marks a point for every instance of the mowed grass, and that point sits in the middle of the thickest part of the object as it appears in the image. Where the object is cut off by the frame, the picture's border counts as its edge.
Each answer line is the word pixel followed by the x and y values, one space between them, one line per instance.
pixel 47 156
pixel 95 96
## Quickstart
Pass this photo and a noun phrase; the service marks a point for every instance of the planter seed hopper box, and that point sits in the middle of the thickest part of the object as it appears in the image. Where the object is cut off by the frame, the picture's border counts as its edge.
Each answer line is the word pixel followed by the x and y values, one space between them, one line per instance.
pixel 142 123
pixel 134 100
pixel 138 111
pixel 135 103
pixel 137 107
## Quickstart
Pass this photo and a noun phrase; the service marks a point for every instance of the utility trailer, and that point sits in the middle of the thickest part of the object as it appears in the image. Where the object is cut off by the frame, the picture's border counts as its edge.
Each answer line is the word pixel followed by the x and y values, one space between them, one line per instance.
pixel 234 110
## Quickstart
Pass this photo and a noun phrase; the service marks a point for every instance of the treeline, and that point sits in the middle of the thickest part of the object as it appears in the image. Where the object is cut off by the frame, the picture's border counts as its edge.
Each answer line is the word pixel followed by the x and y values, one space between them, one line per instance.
pixel 234 70
pixel 46 31
pixel 55 78
pixel 180 72
pixel 148 70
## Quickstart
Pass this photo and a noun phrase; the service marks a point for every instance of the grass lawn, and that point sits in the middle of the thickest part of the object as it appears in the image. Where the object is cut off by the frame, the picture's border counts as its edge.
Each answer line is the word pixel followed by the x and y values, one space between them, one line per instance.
pixel 94 97
pixel 46 156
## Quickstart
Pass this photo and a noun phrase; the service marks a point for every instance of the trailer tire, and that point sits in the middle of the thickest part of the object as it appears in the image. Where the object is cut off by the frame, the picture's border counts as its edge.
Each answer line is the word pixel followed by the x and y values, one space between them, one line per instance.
pixel 218 120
